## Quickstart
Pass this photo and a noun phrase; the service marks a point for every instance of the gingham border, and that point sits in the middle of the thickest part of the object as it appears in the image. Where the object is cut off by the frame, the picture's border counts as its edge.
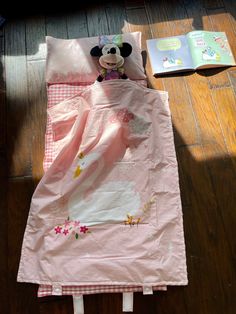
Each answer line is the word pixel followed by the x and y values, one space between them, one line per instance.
pixel 46 290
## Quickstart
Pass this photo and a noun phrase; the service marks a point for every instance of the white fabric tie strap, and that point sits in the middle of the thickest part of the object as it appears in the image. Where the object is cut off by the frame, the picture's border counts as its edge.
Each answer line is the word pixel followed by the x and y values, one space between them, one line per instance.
pixel 128 299
pixel 78 303
pixel 147 290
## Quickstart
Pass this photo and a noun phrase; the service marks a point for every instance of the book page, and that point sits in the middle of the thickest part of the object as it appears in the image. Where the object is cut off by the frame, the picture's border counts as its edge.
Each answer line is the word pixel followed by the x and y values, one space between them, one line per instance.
pixel 169 54
pixel 209 48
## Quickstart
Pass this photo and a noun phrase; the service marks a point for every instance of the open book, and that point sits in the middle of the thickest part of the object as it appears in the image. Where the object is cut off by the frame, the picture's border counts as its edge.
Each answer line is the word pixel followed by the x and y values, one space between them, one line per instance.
pixel 195 50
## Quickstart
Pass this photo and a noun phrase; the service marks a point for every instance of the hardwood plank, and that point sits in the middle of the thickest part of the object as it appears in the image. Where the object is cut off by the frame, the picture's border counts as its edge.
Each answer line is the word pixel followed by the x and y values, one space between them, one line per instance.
pixel 180 22
pixel 221 22
pixel 169 17
pixel 108 301
pixel 1 43
pixel 225 103
pixel 36 54
pixel 181 108
pixel 56 305
pixel 137 21
pixel 232 78
pixel 38 111
pixel 197 15
pixel 217 134
pixel 92 303
pixel 171 301
pixel 77 24
pixel 213 4
pixel 217 78
pixel 97 21
pixel 3 234
pixel 3 108
pixel 203 106
pixel 134 4
pixel 116 17
pixel 185 126
pixel 205 237
pixel 56 26
pixel 230 6
pixel 223 178
pixel 157 17
pixel 22 296
pixel 18 123
pixel 35 38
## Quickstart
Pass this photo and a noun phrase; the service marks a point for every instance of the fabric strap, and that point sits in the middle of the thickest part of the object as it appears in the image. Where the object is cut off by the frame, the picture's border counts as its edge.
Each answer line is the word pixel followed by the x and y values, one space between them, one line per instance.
pixel 128 298
pixel 147 290
pixel 78 303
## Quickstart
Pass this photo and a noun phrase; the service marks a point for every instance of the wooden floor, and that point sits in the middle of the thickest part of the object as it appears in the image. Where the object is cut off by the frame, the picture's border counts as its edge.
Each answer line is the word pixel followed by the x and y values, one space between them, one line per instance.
pixel 203 107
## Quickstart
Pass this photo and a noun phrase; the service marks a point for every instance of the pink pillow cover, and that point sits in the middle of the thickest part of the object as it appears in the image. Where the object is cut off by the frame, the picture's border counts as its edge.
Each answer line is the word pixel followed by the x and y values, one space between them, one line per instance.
pixel 69 60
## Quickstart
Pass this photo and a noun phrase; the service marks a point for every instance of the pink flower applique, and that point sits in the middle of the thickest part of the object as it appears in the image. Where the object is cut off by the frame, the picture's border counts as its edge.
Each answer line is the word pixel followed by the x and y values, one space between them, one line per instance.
pixel 66 231
pixel 58 229
pixel 76 223
pixel 122 115
pixel 83 229
pixel 67 223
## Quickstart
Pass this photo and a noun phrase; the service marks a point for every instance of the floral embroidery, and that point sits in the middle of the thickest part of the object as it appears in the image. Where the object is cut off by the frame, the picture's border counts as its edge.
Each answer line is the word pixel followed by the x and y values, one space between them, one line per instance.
pixel 83 229
pixel 58 229
pixel 131 220
pixel 123 115
pixel 66 231
pixel 71 227
pixel 137 125
pixel 76 223
pixel 147 205
pixel 67 223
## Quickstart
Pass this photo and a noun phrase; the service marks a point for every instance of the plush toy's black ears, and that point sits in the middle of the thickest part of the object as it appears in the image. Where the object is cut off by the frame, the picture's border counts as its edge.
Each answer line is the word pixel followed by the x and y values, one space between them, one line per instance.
pixel 96 52
pixel 125 50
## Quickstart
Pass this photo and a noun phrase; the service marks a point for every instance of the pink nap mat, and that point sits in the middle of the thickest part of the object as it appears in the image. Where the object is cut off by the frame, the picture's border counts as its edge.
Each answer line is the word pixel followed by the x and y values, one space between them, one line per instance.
pixel 106 216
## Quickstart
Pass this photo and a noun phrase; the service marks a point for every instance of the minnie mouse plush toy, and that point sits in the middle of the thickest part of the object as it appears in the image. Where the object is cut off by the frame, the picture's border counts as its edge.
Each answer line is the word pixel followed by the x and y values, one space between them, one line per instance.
pixel 111 55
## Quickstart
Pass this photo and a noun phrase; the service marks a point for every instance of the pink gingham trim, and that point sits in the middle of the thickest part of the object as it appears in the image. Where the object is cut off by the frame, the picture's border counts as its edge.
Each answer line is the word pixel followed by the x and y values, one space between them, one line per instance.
pixel 46 290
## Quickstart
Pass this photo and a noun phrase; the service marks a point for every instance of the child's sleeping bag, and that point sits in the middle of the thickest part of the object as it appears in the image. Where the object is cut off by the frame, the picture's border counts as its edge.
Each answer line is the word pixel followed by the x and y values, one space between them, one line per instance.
pixel 107 213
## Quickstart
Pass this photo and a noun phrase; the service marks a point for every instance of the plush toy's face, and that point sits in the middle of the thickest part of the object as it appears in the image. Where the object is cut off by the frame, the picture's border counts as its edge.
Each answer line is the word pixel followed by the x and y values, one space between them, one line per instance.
pixel 111 58
pixel 110 55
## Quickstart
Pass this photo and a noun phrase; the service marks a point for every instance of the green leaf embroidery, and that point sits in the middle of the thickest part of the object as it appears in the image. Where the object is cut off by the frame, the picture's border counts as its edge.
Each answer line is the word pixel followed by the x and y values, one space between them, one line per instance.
pixel 76 236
